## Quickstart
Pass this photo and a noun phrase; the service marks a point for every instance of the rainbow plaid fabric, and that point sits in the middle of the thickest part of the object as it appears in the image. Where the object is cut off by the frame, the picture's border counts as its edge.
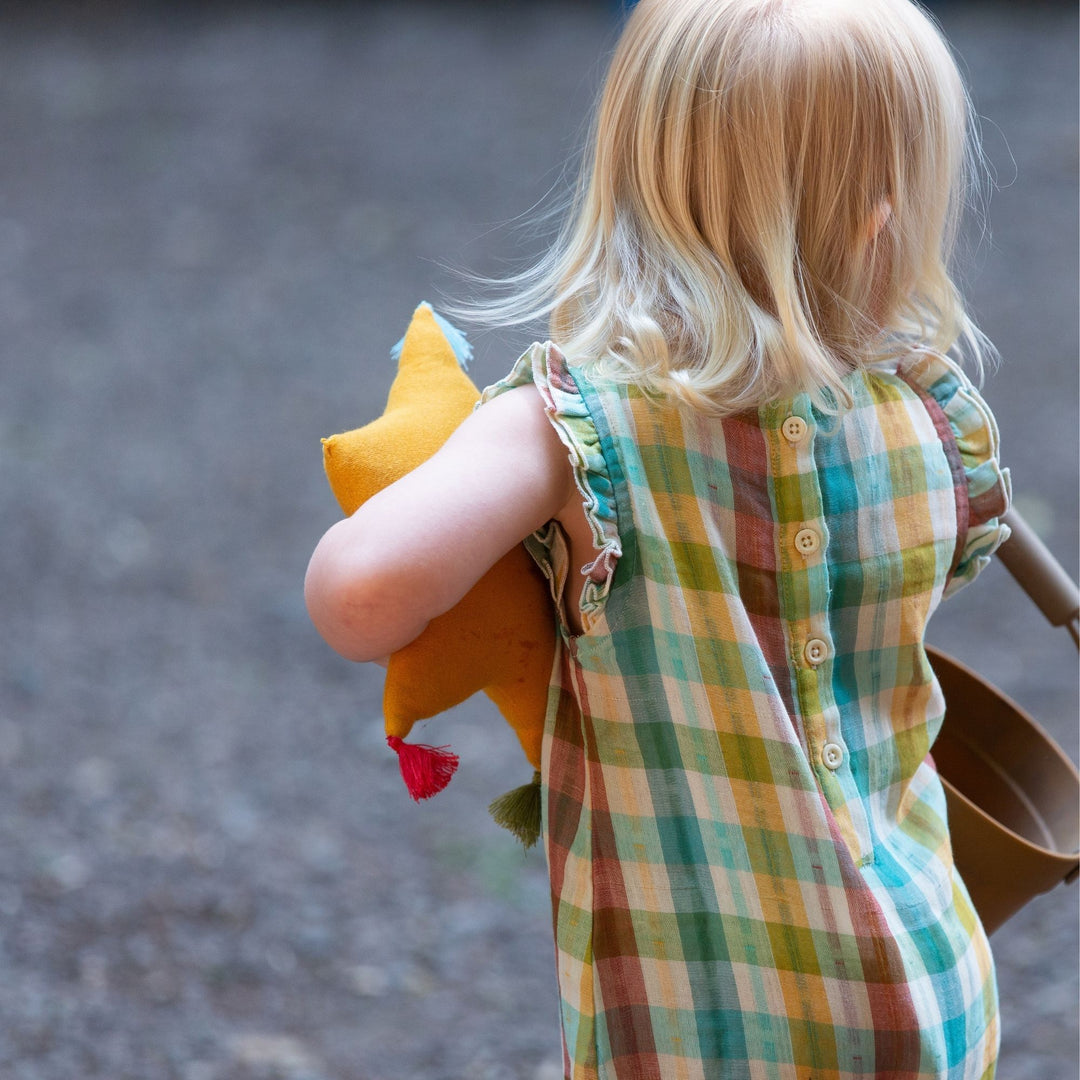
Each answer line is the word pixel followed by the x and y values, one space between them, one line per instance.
pixel 749 858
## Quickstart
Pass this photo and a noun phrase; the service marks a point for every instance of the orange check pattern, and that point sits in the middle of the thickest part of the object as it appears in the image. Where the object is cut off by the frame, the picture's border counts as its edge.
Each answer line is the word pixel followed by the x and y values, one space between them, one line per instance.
pixel 750 863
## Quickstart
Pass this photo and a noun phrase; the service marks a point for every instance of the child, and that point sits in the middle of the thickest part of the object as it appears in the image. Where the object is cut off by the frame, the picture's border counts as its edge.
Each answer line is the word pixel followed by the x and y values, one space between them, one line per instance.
pixel 745 431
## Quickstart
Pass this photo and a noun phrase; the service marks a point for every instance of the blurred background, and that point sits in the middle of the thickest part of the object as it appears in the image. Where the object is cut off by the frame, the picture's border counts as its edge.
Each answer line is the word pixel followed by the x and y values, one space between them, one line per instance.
pixel 215 220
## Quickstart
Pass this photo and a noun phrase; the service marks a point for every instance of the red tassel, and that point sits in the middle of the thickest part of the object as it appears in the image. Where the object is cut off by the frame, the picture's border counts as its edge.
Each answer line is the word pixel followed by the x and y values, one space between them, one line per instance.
pixel 426 770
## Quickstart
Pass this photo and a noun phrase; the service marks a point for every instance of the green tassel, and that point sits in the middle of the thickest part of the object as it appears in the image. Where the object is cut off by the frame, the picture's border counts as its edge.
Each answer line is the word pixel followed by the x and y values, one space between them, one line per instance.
pixel 519 811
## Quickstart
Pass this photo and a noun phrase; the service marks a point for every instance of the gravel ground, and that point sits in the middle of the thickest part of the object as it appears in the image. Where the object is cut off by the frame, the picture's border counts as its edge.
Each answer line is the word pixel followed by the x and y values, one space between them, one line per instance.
pixel 214 221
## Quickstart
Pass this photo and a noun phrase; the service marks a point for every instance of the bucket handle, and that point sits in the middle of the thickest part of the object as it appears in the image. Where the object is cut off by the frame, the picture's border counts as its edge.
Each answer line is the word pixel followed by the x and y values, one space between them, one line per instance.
pixel 1044 579
pixel 1040 575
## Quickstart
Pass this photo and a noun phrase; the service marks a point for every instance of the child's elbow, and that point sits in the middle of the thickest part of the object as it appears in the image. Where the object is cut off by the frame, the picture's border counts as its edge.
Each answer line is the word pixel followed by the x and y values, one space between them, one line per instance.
pixel 330 595
pixel 355 608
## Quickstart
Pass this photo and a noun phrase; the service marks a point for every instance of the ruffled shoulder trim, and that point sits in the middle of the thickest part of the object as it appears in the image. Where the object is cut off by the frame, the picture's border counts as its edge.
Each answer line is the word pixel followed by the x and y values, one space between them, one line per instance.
pixel 543 365
pixel 969 435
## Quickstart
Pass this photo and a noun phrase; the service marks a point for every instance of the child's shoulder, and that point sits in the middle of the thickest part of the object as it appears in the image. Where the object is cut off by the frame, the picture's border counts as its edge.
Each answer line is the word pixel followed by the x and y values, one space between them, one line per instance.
pixel 951 397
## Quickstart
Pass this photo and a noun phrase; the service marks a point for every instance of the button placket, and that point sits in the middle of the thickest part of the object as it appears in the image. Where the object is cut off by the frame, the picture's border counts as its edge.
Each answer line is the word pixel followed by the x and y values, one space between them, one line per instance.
pixel 803 453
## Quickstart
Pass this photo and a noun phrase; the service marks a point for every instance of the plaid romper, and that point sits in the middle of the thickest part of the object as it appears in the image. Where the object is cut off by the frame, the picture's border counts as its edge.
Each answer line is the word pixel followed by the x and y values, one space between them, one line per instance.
pixel 750 865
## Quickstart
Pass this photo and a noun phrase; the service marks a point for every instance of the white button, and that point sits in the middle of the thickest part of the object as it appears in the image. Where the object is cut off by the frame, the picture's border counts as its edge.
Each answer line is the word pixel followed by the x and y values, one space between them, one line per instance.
pixel 832 755
pixel 807 541
pixel 816 652
pixel 794 429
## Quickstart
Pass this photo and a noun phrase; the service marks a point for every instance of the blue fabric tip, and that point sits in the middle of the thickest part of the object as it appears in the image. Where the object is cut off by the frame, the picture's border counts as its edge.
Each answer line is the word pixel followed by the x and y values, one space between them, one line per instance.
pixel 458 341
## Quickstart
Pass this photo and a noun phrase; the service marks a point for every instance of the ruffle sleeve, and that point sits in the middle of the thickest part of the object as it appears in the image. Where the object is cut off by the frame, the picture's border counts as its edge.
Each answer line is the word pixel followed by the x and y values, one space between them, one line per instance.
pixel 544 366
pixel 969 435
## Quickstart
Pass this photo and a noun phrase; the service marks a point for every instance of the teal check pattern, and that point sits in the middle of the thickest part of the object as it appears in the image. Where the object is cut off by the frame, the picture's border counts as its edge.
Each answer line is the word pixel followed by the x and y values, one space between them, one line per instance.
pixel 750 865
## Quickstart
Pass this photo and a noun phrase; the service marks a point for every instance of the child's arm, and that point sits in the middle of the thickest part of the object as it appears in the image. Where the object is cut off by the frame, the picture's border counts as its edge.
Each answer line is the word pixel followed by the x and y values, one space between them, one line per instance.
pixel 413 550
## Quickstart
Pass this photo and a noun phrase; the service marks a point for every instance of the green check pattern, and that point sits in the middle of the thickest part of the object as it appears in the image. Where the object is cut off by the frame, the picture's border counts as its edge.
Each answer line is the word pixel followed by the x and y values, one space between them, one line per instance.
pixel 750 864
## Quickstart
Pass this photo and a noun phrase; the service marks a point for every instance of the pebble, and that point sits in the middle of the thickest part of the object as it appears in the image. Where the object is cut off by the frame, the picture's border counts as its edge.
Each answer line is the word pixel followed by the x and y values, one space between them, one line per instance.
pixel 69 870
pixel 95 778
pixel 369 981
pixel 275 1051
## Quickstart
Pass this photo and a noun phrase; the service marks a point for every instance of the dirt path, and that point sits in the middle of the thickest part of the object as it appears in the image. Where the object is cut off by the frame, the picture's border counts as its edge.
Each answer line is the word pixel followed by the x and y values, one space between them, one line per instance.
pixel 213 224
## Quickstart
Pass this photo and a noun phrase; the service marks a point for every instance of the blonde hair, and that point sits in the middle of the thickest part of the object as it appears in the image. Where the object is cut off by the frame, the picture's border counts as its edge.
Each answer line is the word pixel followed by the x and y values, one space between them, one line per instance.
pixel 719 248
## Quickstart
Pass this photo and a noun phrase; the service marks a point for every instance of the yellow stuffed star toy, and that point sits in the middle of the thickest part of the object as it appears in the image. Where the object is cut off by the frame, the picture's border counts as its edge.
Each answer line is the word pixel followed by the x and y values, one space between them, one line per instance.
pixel 500 638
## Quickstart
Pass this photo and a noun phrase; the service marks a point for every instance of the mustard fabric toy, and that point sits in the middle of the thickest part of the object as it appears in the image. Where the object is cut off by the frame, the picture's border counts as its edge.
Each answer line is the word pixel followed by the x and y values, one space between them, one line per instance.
pixel 500 638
